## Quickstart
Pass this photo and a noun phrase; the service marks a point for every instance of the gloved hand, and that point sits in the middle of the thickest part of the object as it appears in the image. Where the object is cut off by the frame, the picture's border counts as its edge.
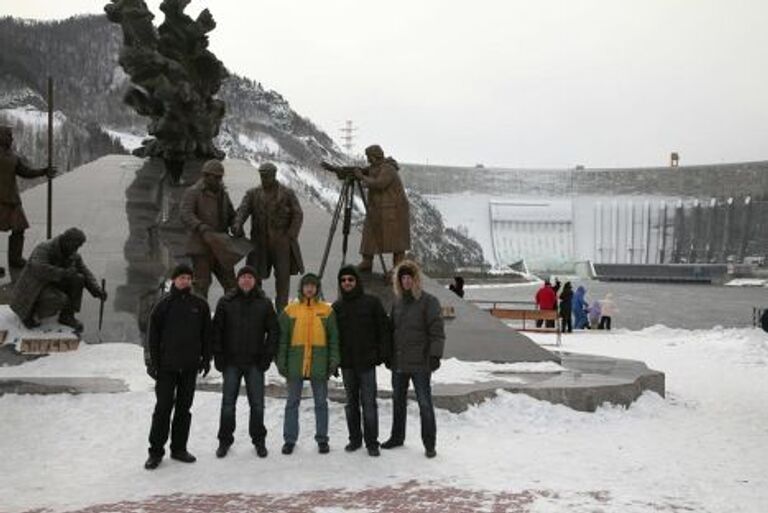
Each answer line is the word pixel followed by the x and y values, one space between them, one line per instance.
pixel 205 367
pixel 101 294
pixel 218 362
pixel 265 362
pixel 152 371
pixel 434 363
pixel 333 370
pixel 51 171
pixel 387 363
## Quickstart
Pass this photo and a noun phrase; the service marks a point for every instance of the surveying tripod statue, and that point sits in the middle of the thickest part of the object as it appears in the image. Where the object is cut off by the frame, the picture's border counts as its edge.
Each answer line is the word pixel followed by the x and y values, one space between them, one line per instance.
pixel 387 224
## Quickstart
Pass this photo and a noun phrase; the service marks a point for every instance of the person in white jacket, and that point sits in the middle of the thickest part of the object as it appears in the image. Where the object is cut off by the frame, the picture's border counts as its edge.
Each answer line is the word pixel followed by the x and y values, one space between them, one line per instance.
pixel 607 310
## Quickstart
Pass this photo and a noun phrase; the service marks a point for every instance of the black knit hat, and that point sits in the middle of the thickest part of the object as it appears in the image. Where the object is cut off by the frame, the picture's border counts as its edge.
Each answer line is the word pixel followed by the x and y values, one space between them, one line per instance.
pixel 349 270
pixel 181 269
pixel 247 269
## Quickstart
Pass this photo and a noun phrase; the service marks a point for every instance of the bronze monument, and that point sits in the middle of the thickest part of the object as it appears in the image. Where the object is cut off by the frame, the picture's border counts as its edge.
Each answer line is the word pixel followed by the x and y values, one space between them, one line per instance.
pixel 276 218
pixel 207 213
pixel 53 280
pixel 12 217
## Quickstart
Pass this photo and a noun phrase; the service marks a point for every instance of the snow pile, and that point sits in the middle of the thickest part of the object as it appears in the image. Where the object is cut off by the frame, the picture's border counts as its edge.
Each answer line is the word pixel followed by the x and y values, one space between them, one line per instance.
pixel 31 116
pixel 129 140
pixel 747 282
pixel 704 448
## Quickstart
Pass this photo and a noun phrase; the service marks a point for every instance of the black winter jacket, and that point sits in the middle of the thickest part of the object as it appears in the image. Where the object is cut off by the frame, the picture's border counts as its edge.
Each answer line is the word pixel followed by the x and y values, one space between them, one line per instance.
pixel 179 334
pixel 364 329
pixel 246 331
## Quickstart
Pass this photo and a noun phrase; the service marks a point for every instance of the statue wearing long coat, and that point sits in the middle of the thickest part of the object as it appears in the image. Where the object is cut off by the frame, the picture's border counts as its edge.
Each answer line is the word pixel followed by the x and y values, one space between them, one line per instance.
pixel 387 223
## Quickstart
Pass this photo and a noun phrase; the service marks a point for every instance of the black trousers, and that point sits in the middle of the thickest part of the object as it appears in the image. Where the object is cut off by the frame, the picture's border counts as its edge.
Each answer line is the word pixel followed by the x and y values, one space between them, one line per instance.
pixel 423 387
pixel 175 391
pixel 360 388
pixel 567 321
pixel 605 323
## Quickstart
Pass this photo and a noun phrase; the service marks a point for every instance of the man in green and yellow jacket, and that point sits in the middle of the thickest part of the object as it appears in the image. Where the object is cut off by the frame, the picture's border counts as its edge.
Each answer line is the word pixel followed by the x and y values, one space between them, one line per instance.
pixel 309 350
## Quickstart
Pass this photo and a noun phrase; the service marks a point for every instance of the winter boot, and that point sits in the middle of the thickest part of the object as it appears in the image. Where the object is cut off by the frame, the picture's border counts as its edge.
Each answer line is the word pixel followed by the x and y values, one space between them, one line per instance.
pixel 153 462
pixel 183 456
pixel 391 444
pixel 222 450
pixel 430 452
pixel 15 250
pixel 353 446
pixel 288 448
pixel 373 451
pixel 31 323
pixel 323 448
pixel 261 450
pixel 68 319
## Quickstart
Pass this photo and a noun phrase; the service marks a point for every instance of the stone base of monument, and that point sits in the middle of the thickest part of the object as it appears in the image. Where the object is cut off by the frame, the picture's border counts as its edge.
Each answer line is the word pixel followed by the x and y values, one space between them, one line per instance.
pixel 50 337
pixel 45 345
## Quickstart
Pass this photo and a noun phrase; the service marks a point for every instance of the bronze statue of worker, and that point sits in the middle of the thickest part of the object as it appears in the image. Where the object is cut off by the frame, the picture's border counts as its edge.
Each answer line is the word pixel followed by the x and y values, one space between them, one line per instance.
pixel 276 219
pixel 387 222
pixel 12 217
pixel 53 280
pixel 207 213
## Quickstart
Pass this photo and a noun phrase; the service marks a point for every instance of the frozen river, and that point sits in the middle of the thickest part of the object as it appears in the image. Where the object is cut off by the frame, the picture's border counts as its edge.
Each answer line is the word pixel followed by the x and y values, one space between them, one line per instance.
pixel 646 304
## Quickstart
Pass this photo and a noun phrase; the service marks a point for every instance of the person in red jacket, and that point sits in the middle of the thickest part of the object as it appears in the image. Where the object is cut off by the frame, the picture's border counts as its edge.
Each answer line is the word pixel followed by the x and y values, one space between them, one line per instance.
pixel 546 299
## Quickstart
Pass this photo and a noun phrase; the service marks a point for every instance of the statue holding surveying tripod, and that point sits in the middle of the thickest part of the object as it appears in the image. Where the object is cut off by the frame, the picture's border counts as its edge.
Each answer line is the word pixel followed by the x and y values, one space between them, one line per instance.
pixel 387 222
pixel 12 216
pixel 276 219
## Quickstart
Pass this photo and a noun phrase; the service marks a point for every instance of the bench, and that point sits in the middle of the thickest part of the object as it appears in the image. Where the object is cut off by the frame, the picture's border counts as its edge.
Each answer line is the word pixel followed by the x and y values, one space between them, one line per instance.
pixel 528 316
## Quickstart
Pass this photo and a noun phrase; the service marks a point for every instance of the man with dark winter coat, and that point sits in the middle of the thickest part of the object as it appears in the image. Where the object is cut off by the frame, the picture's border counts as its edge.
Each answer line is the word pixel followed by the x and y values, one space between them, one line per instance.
pixel 417 346
pixel 364 339
pixel 207 213
pixel 387 226
pixel 53 281
pixel 12 218
pixel 276 219
pixel 179 342
pixel 245 337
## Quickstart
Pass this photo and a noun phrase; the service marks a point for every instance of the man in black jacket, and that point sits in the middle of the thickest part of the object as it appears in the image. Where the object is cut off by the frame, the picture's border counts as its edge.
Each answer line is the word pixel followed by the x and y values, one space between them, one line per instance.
pixel 364 340
pixel 179 341
pixel 245 339
pixel 417 346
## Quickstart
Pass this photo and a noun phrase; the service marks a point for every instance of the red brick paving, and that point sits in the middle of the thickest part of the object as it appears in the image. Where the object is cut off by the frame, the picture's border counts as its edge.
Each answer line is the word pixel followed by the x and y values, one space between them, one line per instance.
pixel 410 497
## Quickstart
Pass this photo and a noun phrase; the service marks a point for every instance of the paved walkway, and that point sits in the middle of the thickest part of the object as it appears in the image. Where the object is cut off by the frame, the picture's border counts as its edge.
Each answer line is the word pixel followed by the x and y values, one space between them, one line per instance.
pixel 409 497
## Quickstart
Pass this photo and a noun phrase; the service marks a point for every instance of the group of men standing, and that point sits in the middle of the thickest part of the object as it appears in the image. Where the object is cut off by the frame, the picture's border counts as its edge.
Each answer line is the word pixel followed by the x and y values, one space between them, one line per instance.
pixel 308 339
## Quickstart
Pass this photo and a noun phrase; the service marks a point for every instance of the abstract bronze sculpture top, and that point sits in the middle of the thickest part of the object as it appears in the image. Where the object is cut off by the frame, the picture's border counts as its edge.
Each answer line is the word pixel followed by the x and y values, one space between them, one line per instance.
pixel 174 78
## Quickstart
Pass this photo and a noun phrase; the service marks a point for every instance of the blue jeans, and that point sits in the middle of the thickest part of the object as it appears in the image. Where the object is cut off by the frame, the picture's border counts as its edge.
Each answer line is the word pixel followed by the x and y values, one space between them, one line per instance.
pixel 291 422
pixel 423 388
pixel 360 386
pixel 254 388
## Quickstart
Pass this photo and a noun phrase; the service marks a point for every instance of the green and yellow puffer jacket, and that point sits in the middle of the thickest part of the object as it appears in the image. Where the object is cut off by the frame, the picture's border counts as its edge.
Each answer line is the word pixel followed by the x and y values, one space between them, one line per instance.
pixel 309 340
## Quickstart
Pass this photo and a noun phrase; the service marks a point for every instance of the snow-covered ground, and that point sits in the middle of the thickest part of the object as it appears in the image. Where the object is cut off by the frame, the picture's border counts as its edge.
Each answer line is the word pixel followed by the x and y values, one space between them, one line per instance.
pixel 704 448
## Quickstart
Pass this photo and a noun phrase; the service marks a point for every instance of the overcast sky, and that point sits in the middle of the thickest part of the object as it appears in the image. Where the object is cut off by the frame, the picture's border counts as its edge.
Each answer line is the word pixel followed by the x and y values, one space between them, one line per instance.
pixel 545 83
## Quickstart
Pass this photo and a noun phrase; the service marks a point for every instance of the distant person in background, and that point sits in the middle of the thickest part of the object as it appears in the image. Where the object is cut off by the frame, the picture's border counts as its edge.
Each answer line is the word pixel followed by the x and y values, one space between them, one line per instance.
pixel 565 307
pixel 546 299
pixel 594 312
pixel 457 287
pixel 607 311
pixel 579 307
